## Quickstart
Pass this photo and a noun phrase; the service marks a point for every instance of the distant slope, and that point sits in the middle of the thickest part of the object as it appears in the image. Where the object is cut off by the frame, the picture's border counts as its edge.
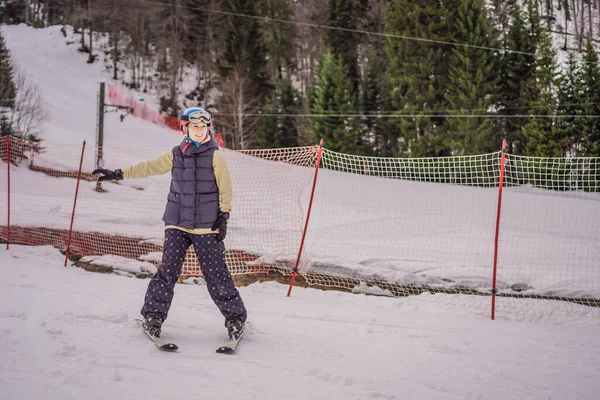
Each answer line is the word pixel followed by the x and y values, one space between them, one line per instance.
pixel 69 89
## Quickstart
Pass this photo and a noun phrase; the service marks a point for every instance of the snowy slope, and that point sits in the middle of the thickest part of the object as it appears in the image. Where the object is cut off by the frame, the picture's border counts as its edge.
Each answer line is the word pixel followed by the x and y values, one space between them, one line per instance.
pixel 69 88
pixel 69 334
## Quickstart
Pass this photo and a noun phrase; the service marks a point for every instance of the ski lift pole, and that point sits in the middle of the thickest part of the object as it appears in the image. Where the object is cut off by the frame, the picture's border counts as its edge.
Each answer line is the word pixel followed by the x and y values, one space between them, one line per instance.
pixel 100 133
pixel 103 108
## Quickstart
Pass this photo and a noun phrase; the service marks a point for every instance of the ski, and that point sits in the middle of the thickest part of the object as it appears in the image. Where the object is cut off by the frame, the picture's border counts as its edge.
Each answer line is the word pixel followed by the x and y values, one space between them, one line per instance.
pixel 229 347
pixel 160 343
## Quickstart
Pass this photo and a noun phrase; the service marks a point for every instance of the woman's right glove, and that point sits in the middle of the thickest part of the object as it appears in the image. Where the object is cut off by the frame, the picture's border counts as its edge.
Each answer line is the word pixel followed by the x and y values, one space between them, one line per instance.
pixel 108 175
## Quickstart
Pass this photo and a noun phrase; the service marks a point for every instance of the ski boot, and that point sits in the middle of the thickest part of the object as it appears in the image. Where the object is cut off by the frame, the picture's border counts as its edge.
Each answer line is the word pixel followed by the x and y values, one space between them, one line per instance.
pixel 235 329
pixel 152 324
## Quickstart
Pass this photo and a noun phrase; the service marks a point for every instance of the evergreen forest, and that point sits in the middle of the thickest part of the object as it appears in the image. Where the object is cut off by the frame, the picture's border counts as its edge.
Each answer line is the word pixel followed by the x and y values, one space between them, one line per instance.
pixel 389 78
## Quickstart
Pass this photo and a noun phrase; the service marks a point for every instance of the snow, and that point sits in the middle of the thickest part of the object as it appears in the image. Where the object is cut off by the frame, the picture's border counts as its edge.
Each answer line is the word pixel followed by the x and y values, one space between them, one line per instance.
pixel 70 87
pixel 68 333
pixel 122 263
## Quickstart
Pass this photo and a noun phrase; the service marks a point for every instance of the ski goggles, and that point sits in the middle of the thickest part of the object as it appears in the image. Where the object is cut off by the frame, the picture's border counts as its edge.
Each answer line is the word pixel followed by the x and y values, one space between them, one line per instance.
pixel 197 116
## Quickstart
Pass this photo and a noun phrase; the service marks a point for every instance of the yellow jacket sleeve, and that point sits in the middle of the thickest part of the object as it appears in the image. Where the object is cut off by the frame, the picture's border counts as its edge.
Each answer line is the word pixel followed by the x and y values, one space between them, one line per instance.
pixel 157 166
pixel 223 181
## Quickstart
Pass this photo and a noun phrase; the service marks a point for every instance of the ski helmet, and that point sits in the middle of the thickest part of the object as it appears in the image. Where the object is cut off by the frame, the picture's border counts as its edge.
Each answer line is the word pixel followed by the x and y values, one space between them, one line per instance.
pixel 194 115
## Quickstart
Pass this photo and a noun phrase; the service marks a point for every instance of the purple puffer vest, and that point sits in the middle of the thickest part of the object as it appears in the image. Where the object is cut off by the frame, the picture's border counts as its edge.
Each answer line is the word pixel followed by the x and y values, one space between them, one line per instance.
pixel 193 200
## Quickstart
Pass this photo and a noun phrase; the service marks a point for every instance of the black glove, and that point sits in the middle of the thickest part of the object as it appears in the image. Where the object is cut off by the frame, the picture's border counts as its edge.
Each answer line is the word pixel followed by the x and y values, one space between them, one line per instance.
pixel 108 175
pixel 221 224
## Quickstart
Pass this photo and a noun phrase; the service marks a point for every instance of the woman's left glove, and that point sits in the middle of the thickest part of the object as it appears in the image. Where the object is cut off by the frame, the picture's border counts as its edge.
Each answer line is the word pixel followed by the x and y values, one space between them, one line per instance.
pixel 221 225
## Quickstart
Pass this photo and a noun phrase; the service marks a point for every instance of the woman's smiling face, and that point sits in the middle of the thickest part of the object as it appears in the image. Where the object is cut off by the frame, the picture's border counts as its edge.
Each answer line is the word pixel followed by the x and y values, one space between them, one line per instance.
pixel 198 131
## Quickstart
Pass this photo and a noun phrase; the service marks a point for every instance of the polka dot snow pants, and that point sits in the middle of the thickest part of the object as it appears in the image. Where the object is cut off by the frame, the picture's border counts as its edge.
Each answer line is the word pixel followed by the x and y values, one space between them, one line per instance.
pixel 211 256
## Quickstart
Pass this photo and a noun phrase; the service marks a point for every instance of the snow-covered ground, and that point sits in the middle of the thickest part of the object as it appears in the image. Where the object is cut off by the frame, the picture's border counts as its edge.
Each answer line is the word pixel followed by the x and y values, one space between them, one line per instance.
pixel 69 334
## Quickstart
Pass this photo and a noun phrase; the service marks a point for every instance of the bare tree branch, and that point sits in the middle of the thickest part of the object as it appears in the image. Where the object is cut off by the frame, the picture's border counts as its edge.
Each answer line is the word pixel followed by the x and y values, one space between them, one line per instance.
pixel 29 113
pixel 235 104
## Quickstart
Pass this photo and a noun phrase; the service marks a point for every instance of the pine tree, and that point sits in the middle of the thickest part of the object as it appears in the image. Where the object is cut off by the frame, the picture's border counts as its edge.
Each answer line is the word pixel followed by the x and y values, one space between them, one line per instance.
pixel 244 45
pixel 321 102
pixel 332 94
pixel 345 14
pixel 419 73
pixel 374 101
pixel 473 81
pixel 8 91
pixel 542 137
pixel 518 65
pixel 268 136
pixel 12 12
pixel 280 129
pixel 347 131
pixel 245 86
pixel 568 109
pixel 279 37
pixel 589 83
pixel 290 105
pixel 5 128
pixel 3 12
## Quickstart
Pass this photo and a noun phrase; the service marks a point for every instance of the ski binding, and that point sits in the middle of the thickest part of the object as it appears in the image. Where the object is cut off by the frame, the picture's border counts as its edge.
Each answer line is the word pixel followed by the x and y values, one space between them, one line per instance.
pixel 229 347
pixel 160 343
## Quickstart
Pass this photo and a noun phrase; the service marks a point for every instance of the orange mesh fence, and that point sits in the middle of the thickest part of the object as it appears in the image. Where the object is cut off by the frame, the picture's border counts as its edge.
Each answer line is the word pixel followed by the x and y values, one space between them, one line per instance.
pixel 426 226
pixel 124 218
pixel 119 95
pixel 378 225
pixel 265 227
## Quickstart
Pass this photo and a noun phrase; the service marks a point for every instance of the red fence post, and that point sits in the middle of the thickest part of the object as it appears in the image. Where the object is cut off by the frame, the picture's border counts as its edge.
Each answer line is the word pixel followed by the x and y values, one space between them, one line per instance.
pixel 312 194
pixel 500 184
pixel 74 204
pixel 8 176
